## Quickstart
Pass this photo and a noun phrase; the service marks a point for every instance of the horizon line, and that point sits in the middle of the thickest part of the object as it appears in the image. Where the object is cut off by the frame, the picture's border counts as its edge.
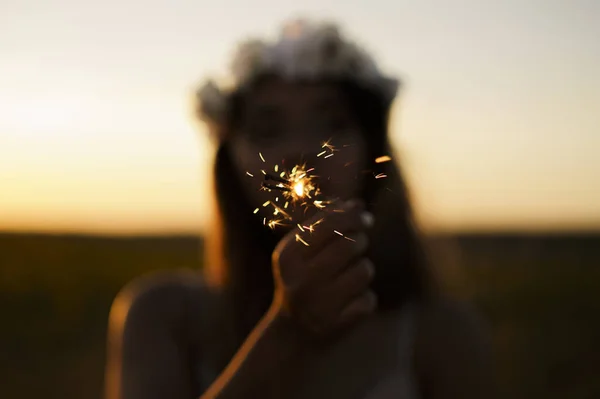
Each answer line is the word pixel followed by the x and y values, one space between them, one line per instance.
pixel 200 234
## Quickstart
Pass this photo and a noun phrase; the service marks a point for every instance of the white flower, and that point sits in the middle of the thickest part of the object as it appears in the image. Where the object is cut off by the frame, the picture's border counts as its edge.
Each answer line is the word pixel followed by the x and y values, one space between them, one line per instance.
pixel 211 102
pixel 249 60
pixel 319 52
pixel 304 50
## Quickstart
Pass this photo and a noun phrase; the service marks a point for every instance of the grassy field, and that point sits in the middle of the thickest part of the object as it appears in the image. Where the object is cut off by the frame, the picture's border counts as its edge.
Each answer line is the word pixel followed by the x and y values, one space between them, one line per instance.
pixel 539 293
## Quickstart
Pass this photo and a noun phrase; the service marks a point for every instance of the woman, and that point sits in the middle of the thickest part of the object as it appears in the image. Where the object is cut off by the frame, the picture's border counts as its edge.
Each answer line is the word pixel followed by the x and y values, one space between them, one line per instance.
pixel 338 302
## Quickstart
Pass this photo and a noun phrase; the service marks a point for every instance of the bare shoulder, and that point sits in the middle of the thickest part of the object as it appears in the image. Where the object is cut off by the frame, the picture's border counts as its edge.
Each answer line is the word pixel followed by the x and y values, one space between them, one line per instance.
pixel 151 328
pixel 453 352
pixel 163 297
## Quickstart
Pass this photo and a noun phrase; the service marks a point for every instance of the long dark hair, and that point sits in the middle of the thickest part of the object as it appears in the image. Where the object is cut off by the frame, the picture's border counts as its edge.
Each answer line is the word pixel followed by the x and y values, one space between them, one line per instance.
pixel 239 249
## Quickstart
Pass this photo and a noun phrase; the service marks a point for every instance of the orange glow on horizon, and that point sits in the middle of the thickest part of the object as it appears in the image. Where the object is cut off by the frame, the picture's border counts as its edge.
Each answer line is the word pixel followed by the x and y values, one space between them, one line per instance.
pixel 101 140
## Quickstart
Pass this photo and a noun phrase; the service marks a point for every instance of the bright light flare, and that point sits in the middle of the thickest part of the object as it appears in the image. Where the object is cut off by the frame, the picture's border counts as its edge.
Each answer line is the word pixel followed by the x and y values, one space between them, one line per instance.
pixel 298 186
pixel 299 189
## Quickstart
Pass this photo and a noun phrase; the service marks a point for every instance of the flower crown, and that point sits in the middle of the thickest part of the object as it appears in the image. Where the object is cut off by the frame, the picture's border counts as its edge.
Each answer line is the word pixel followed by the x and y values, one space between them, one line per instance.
pixel 304 50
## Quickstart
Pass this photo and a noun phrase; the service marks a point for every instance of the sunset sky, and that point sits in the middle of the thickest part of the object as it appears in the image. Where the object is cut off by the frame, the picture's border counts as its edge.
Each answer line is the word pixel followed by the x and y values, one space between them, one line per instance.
pixel 499 126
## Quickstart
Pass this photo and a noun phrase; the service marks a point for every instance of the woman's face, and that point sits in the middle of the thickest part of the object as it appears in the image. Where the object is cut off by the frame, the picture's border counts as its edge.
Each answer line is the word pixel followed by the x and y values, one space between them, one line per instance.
pixel 286 124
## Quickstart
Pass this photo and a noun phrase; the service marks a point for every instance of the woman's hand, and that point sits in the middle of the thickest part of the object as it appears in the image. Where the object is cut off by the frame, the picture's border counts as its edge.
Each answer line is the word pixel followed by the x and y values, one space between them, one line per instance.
pixel 322 277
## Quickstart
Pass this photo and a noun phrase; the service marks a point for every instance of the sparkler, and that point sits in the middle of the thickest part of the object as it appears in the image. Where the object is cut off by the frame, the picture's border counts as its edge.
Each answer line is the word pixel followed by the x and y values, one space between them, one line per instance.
pixel 298 187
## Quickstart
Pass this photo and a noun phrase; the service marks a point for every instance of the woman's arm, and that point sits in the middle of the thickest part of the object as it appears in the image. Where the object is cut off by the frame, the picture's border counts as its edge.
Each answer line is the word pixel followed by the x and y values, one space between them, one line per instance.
pixel 453 353
pixel 149 348
pixel 325 287
pixel 266 364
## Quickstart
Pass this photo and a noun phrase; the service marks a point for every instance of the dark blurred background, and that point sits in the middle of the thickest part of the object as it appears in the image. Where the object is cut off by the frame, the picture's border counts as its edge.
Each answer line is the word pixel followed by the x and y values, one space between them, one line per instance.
pixel 539 292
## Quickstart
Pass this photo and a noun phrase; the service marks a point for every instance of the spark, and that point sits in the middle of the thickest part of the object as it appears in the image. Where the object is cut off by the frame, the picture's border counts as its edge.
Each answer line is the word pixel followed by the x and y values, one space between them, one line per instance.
pixel 297 187
pixel 277 210
pixel 311 227
pixel 382 159
pixel 298 238
pixel 317 222
pixel 342 235
pixel 274 223
pixel 328 145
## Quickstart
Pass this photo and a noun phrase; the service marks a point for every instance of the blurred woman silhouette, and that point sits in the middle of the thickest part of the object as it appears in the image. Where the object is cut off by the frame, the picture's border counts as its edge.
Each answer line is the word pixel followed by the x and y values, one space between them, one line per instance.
pixel 344 307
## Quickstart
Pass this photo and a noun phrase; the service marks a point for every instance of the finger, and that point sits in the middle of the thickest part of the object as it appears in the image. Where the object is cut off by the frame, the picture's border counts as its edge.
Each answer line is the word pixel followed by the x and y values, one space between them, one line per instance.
pixel 309 237
pixel 331 226
pixel 331 298
pixel 350 284
pixel 353 281
pixel 361 306
pixel 337 256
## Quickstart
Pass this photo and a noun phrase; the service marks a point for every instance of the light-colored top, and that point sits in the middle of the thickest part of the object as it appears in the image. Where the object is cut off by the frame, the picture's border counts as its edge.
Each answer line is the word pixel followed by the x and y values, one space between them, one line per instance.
pixel 401 382
pixel 397 382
